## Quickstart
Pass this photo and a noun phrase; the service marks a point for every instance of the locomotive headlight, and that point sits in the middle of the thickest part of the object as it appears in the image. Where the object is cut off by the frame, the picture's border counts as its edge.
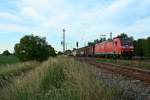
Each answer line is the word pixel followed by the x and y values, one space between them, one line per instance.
pixel 123 47
pixel 131 47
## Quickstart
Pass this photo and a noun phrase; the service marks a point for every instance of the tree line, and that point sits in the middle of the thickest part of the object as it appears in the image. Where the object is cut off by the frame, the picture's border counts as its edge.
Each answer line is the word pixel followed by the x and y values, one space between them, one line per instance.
pixel 142 47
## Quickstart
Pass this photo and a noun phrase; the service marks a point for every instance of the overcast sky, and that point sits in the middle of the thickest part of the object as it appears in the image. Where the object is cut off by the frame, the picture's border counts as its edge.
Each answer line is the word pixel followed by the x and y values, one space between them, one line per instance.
pixel 84 20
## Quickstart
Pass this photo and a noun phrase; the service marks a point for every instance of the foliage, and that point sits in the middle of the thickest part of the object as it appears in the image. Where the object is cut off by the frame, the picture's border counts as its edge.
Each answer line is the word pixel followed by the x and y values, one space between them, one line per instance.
pixel 51 51
pixel 142 47
pixel 6 53
pixel 96 41
pixel 7 72
pixel 123 35
pixel 33 48
pixel 59 53
pixel 138 45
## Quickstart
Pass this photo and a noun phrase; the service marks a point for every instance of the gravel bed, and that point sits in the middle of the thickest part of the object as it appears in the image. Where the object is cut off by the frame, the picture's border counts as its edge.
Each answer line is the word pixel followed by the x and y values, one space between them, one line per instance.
pixel 127 88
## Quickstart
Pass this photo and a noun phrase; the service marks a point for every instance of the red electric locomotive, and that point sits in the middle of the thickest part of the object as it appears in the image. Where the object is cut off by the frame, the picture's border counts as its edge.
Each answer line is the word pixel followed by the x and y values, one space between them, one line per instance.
pixel 117 47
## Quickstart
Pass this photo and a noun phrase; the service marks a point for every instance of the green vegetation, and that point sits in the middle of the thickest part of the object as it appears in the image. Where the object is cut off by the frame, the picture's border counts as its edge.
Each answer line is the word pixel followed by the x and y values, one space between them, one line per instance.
pixel 33 48
pixel 7 72
pixel 58 78
pixel 6 53
pixel 142 47
pixel 8 59
pixel 143 64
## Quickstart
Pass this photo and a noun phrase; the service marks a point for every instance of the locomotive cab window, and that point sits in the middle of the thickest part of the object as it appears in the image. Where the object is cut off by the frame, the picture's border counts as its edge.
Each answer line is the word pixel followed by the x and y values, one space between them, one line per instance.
pixel 116 43
pixel 127 41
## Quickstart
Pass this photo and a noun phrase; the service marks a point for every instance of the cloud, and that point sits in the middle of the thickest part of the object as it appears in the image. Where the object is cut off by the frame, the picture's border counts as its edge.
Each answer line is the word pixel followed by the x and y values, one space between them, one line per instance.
pixel 84 20
pixel 141 25
pixel 30 12
pixel 5 16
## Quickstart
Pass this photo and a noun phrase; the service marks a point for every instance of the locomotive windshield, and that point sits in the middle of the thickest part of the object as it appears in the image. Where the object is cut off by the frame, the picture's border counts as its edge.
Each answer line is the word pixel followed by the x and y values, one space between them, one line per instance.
pixel 126 42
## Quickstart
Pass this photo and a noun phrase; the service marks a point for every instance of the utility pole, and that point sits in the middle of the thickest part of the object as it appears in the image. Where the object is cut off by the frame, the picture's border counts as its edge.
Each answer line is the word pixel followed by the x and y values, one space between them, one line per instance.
pixel 66 46
pixel 111 38
pixel 111 35
pixel 77 44
pixel 64 40
pixel 102 37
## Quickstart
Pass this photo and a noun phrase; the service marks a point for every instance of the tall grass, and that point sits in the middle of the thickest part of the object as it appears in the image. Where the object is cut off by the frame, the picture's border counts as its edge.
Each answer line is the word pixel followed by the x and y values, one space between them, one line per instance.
pixel 8 72
pixel 58 78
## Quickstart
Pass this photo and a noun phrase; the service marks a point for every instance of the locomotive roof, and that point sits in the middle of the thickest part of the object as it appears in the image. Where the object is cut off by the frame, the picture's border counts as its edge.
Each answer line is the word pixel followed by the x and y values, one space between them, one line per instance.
pixel 104 42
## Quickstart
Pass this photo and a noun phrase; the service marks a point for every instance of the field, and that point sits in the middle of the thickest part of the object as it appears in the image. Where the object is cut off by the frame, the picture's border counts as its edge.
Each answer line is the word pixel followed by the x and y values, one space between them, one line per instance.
pixel 60 78
pixel 8 59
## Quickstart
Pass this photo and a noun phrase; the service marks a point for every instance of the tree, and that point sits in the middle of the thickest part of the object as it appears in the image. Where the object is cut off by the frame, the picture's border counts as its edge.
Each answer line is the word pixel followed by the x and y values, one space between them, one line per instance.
pixel 146 47
pixel 6 52
pixel 91 43
pixel 96 41
pixel 139 47
pixel 60 53
pixel 33 48
pixel 123 35
pixel 142 47
pixel 52 51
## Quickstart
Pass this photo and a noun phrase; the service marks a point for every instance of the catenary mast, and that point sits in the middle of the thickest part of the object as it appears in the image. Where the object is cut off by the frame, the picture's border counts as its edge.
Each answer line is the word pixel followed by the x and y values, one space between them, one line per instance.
pixel 64 43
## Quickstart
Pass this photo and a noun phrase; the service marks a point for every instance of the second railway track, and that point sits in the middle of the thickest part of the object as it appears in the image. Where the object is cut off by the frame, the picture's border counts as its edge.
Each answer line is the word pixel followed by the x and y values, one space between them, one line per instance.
pixel 135 73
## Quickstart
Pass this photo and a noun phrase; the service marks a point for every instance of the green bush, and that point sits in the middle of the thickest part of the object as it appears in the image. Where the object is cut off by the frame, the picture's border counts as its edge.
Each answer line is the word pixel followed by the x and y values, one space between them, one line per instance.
pixel 142 47
pixel 33 48
pixel 6 53
pixel 7 72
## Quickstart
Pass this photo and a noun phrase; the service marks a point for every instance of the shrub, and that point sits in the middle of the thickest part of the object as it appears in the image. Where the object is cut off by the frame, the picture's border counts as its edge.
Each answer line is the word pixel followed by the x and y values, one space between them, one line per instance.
pixel 33 48
pixel 6 53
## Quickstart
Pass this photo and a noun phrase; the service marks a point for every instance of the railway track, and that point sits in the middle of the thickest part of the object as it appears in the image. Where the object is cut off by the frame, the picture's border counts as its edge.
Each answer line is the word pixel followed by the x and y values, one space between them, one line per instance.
pixel 135 73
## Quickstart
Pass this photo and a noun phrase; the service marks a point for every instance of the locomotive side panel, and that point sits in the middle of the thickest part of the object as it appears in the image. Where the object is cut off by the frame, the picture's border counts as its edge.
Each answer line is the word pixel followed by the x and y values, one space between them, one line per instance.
pixel 117 46
pixel 99 49
pixel 109 49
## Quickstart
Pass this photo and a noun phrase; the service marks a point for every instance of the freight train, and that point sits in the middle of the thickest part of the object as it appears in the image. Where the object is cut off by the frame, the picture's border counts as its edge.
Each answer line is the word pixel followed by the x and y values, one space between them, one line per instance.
pixel 117 47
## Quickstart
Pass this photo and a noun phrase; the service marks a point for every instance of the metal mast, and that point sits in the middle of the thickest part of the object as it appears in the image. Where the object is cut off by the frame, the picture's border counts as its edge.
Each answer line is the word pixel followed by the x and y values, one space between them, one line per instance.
pixel 111 35
pixel 64 40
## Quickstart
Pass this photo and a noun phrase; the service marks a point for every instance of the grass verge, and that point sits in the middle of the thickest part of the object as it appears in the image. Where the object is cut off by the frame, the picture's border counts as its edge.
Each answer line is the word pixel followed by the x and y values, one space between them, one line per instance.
pixel 8 72
pixel 58 78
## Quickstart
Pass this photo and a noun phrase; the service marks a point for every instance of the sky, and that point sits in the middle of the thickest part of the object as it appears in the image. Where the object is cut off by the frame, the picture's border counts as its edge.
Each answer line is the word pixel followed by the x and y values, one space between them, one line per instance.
pixel 84 20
